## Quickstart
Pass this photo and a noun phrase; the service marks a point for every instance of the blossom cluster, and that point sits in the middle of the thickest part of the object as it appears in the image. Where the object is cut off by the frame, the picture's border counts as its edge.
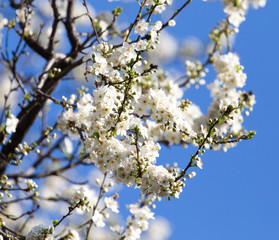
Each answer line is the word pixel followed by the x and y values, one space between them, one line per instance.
pixel 224 91
pixel 40 232
pixel 236 10
pixel 114 119
pixel 138 222
pixel 79 198
pixel 195 73
pixel 132 109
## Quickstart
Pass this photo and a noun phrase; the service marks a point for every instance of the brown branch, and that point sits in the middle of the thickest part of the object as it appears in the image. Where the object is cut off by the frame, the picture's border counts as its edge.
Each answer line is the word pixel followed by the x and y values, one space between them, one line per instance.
pixel 29 113
pixel 176 13
pixel 101 33
pixel 71 209
pixel 16 237
pixel 47 174
pixel 15 5
pixel 54 26
pixel 71 28
pixel 35 46
pixel 201 145
pixel 136 20
pixel 95 206
pixel 91 20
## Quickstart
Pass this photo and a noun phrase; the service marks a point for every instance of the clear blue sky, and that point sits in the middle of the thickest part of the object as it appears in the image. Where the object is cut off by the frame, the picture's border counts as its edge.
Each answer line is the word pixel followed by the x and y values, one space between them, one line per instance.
pixel 236 195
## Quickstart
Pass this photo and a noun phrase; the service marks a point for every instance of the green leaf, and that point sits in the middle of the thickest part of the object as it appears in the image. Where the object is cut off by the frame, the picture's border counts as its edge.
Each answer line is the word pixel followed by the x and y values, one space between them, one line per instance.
pixel 54 222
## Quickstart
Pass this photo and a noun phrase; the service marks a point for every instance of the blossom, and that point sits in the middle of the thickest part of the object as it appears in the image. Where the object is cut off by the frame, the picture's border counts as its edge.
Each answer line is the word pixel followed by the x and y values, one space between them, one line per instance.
pixel 71 235
pixel 141 27
pixel 40 232
pixel 98 219
pixel 3 22
pixel 112 204
pixel 30 184
pixel 80 198
pixel 235 15
pixel 191 175
pixel 171 23
pixel 133 108
pixel 11 124
pixel 199 163
pixel 68 145
pixel 139 222
pixel 230 71
pixel 21 14
pixel 258 3
pixel 157 180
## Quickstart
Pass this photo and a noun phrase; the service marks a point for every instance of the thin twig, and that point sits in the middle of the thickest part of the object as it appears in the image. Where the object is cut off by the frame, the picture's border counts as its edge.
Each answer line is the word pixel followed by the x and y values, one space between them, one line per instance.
pixel 91 20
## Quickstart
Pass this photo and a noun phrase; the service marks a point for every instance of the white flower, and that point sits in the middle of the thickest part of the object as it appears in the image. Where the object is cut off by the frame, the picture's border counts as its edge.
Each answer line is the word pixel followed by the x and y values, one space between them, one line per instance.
pixel 21 15
pixel 160 8
pixel 71 235
pixel 157 180
pixel 191 175
pixel 230 71
pixel 141 27
pixel 112 204
pixel 139 221
pixel 236 15
pixel 171 23
pixel 141 45
pixel 199 163
pixel 40 232
pixel 81 198
pixel 169 2
pixel 30 184
pixel 258 3
pixel 68 145
pixel 158 25
pixel 98 219
pixel 11 124
pixel 3 21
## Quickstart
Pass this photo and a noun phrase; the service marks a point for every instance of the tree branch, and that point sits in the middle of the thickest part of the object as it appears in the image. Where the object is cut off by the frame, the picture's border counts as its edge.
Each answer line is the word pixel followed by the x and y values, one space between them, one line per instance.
pixel 71 28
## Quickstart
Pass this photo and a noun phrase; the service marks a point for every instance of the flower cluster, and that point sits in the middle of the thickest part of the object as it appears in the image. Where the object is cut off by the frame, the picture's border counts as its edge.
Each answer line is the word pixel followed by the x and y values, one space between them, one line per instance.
pixel 31 185
pixel 230 77
pixel 98 219
pixel 112 204
pixel 138 222
pixel 236 10
pixel 160 5
pixel 195 73
pixel 40 232
pixel 113 119
pixel 230 71
pixel 117 138
pixel 79 199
